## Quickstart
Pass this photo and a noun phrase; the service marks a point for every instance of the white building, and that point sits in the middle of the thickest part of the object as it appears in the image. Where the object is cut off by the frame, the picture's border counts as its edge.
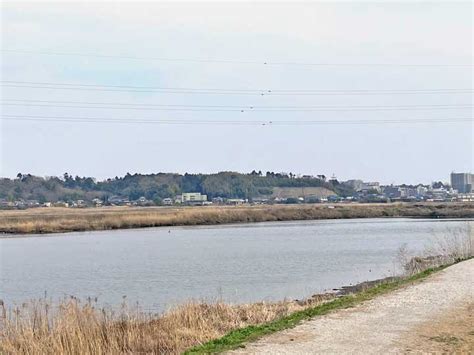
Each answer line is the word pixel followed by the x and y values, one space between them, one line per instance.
pixel 193 197
pixel 167 201
pixel 367 186
pixel 421 190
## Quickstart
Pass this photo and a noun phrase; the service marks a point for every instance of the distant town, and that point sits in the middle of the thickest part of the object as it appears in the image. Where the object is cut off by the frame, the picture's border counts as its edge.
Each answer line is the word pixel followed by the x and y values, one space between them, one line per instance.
pixel 278 188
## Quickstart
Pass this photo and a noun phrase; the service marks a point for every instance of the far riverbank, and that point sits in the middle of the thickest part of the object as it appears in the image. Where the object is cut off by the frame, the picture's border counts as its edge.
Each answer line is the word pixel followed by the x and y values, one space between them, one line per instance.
pixel 61 220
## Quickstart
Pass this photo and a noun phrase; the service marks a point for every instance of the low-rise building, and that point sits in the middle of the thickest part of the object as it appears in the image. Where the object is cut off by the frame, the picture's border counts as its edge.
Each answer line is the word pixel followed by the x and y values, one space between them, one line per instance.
pixel 218 200
pixel 260 201
pixel 167 201
pixel 361 186
pixel 236 201
pixel 354 184
pixel 193 198
pixel 392 192
pixel 118 201
pixel 368 186
pixel 60 204
pixel 97 202
pixel 465 197
pixel 421 190
pixel 6 203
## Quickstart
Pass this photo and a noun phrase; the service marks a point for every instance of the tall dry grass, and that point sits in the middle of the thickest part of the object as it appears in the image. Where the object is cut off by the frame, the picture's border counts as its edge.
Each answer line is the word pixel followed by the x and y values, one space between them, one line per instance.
pixel 38 327
pixel 453 246
pixel 53 220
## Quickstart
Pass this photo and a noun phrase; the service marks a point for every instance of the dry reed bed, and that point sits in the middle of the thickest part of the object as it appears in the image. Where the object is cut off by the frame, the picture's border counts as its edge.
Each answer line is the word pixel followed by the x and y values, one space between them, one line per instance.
pixel 53 220
pixel 74 328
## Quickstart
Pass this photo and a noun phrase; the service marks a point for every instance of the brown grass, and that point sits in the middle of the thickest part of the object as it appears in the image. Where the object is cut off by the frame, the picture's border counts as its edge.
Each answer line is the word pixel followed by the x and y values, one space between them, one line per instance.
pixel 75 328
pixel 53 220
pixel 450 332
pixel 444 249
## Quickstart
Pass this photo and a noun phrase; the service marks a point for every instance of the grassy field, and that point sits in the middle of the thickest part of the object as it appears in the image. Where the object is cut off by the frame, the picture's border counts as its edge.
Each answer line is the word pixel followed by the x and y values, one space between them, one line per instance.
pixel 40 327
pixel 54 220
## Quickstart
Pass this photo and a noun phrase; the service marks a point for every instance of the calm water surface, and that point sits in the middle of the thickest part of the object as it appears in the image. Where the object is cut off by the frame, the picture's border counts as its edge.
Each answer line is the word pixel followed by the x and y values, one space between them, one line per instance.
pixel 160 267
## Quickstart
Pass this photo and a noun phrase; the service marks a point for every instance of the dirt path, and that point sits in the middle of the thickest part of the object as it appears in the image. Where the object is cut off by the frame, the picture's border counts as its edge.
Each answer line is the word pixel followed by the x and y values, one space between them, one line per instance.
pixel 432 316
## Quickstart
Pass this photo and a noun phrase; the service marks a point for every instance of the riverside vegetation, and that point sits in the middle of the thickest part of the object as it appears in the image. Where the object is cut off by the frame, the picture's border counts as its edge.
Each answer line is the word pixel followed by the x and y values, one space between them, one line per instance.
pixel 73 327
pixel 54 220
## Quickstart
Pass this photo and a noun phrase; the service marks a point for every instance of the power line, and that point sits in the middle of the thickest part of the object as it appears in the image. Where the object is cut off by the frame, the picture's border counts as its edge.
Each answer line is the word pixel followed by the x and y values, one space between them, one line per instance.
pixel 132 121
pixel 258 90
pixel 227 106
pixel 292 92
pixel 221 122
pixel 267 63
pixel 131 87
pixel 243 109
pixel 130 108
pixel 225 90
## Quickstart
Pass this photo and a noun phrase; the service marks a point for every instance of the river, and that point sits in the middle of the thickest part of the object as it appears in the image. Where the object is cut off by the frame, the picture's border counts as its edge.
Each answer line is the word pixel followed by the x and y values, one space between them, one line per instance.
pixel 161 267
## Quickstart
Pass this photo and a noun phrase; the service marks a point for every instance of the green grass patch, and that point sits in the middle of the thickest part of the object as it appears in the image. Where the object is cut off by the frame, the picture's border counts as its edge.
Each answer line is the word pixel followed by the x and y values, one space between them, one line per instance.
pixel 238 337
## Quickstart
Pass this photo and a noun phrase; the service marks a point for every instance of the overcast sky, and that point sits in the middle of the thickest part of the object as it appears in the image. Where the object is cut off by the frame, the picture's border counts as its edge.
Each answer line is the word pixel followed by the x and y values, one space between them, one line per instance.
pixel 345 33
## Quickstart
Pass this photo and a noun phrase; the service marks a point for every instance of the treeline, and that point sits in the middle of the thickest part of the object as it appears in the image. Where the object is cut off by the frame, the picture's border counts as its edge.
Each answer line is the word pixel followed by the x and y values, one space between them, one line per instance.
pixel 157 186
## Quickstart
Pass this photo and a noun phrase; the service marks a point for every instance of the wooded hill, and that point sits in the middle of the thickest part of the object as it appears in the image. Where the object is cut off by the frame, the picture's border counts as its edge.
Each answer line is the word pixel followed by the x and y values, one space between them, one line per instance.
pixel 155 187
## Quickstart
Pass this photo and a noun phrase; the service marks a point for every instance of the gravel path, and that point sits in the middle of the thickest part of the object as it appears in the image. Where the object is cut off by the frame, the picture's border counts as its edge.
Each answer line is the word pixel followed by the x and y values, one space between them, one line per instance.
pixel 385 324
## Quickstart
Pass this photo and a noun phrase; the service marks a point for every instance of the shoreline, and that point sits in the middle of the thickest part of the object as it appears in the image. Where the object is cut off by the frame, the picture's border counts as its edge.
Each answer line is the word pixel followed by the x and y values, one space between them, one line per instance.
pixel 4 235
pixel 393 316
pixel 61 220
pixel 240 338
pixel 208 327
